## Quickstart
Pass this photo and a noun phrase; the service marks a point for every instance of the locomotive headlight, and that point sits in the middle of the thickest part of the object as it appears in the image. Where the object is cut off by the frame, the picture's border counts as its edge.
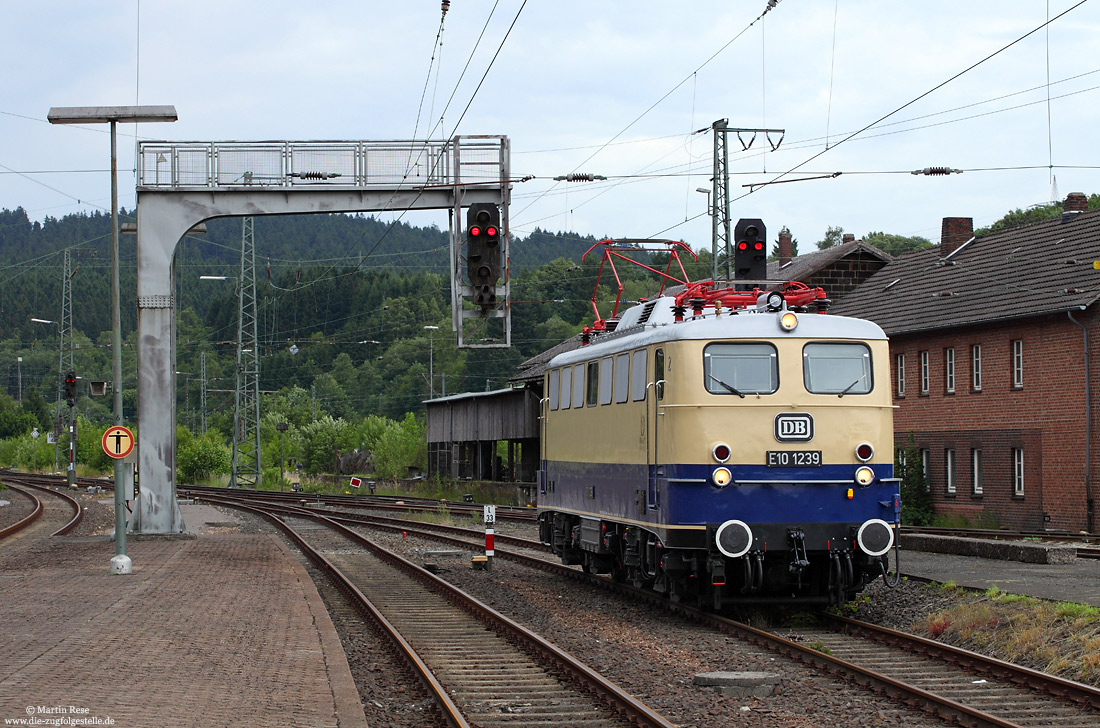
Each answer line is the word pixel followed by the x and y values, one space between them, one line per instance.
pixel 864 475
pixel 721 477
pixel 788 321
pixel 721 452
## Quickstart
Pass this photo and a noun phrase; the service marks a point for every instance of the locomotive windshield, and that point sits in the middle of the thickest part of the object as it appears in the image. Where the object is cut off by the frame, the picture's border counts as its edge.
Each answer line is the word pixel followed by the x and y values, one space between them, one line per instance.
pixel 740 369
pixel 838 369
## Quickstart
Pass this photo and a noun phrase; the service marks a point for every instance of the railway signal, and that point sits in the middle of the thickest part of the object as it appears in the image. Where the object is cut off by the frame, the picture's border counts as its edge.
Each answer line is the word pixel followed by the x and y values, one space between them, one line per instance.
pixel 70 389
pixel 483 252
pixel 750 255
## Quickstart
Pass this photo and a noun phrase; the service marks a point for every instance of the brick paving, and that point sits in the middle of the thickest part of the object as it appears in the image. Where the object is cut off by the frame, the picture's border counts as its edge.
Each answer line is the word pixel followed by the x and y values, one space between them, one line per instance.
pixel 223 629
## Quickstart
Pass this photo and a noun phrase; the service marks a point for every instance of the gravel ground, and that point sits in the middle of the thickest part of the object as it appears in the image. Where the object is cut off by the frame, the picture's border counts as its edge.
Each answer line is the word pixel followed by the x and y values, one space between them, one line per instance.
pixel 655 656
pixel 15 507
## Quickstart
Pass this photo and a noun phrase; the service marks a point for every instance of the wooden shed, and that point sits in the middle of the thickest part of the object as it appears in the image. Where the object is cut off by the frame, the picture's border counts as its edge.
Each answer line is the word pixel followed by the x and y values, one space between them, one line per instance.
pixel 464 431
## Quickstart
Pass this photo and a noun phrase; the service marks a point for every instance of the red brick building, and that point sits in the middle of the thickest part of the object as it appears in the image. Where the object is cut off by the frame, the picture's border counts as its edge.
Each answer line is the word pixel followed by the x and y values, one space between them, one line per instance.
pixel 992 372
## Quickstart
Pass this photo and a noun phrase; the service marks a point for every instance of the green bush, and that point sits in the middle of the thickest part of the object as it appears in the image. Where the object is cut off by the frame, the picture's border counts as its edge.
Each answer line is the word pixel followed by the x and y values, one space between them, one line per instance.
pixel 199 458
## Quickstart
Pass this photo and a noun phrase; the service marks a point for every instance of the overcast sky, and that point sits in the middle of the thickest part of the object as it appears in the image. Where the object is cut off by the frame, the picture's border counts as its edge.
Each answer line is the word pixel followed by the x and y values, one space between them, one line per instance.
pixel 609 88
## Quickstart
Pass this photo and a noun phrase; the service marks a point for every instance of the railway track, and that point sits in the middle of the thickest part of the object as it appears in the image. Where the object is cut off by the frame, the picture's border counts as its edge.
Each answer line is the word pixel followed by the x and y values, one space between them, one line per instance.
pixel 57 511
pixel 465 653
pixel 960 686
pixel 402 504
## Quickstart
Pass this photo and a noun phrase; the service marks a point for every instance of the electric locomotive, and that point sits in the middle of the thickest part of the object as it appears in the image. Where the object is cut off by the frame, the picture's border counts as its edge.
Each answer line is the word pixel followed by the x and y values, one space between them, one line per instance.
pixel 724 447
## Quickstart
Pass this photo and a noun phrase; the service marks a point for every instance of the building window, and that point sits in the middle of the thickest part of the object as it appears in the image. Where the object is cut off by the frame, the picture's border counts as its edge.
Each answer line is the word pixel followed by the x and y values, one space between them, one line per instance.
pixel 925 468
pixel 1018 472
pixel 976 367
pixel 901 375
pixel 924 372
pixel 949 370
pixel 1018 363
pixel 949 469
pixel 976 459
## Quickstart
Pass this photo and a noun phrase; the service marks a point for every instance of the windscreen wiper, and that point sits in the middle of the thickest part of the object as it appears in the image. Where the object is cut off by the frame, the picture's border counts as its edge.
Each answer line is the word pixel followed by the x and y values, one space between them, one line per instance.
pixel 849 387
pixel 729 388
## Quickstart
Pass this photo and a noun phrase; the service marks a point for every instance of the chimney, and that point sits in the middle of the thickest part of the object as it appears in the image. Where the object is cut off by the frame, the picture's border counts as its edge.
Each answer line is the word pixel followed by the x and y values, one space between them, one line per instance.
pixel 848 238
pixel 1076 202
pixel 786 250
pixel 955 232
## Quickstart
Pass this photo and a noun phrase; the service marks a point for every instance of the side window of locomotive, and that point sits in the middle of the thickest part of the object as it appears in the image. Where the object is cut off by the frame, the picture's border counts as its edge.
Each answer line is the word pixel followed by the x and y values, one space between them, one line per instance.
pixel 838 368
pixel 659 373
pixel 566 388
pixel 578 386
pixel 622 378
pixel 593 383
pixel 741 368
pixel 637 376
pixel 606 370
pixel 553 396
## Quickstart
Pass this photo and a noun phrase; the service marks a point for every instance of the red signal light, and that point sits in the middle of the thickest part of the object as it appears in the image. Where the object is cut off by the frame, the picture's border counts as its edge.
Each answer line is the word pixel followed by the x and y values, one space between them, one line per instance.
pixel 742 245
pixel 475 231
pixel 491 231
pixel 758 246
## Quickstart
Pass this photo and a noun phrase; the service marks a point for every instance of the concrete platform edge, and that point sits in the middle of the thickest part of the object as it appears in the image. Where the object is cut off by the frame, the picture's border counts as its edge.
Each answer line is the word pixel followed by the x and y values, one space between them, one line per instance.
pixel 345 696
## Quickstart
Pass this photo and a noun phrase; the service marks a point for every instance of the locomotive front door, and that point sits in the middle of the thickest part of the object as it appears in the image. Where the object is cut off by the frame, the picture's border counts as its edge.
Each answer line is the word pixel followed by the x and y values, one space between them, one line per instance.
pixel 653 420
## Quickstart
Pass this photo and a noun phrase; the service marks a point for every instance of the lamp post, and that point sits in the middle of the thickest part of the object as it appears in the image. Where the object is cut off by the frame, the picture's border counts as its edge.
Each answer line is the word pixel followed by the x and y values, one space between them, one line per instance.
pixel 431 360
pixel 121 563
pixel 19 377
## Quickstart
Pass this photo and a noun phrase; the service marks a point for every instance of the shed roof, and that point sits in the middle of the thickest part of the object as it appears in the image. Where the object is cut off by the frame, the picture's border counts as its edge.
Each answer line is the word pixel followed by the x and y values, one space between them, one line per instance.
pixel 807 265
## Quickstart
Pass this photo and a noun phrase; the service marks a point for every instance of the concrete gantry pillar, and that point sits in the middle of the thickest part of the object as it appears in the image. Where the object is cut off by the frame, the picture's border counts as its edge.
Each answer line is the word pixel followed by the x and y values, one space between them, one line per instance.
pixel 164 217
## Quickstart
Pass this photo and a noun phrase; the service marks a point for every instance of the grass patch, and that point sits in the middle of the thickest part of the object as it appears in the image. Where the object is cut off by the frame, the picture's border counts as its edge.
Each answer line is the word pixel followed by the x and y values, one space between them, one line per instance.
pixel 1061 638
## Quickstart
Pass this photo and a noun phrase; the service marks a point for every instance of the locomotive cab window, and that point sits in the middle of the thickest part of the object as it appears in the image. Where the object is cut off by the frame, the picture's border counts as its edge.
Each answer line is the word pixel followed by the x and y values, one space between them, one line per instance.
pixel 593 383
pixel 838 368
pixel 553 396
pixel 740 369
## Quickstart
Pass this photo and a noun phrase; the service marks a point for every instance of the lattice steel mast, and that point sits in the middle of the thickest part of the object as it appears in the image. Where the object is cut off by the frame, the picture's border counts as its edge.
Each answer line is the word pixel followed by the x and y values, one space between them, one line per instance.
pixel 246 410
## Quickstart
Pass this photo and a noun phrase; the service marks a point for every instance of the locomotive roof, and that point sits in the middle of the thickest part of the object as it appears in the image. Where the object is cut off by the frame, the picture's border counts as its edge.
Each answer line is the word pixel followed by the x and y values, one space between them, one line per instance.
pixel 660 327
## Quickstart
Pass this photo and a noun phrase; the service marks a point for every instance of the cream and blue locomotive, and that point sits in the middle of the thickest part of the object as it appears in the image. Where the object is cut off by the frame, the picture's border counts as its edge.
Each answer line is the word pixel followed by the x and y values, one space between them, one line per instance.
pixel 724 454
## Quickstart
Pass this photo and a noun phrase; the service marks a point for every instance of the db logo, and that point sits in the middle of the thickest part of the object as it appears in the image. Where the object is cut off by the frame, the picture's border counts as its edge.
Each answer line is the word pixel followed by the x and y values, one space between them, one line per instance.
pixel 794 427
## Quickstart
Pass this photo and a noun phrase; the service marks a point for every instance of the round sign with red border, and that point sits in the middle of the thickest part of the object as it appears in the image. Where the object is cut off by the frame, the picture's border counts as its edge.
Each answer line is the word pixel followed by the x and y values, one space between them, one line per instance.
pixel 118 442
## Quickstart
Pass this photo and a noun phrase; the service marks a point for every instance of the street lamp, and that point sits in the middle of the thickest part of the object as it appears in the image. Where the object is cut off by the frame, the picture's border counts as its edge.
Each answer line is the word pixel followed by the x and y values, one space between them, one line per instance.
pixel 431 361
pixel 121 563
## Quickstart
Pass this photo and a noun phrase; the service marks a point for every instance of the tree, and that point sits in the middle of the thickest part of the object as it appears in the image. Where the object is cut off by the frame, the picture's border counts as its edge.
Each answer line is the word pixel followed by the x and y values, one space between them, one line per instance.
pixel 833 236
pixel 916 499
pixel 896 244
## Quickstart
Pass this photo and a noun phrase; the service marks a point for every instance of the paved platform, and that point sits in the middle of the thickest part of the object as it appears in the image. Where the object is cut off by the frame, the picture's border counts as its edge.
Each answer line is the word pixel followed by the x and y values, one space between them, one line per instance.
pixel 1074 582
pixel 222 629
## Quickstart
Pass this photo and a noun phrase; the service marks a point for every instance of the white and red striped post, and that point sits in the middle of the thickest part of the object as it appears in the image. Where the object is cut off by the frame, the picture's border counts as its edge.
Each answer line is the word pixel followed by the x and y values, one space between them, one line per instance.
pixel 490 519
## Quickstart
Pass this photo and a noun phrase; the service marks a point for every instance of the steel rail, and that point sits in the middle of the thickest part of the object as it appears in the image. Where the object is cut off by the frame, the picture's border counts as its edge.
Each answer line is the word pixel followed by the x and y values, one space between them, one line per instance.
pixel 1018 674
pixel 28 520
pixel 450 712
pixel 78 511
pixel 619 700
